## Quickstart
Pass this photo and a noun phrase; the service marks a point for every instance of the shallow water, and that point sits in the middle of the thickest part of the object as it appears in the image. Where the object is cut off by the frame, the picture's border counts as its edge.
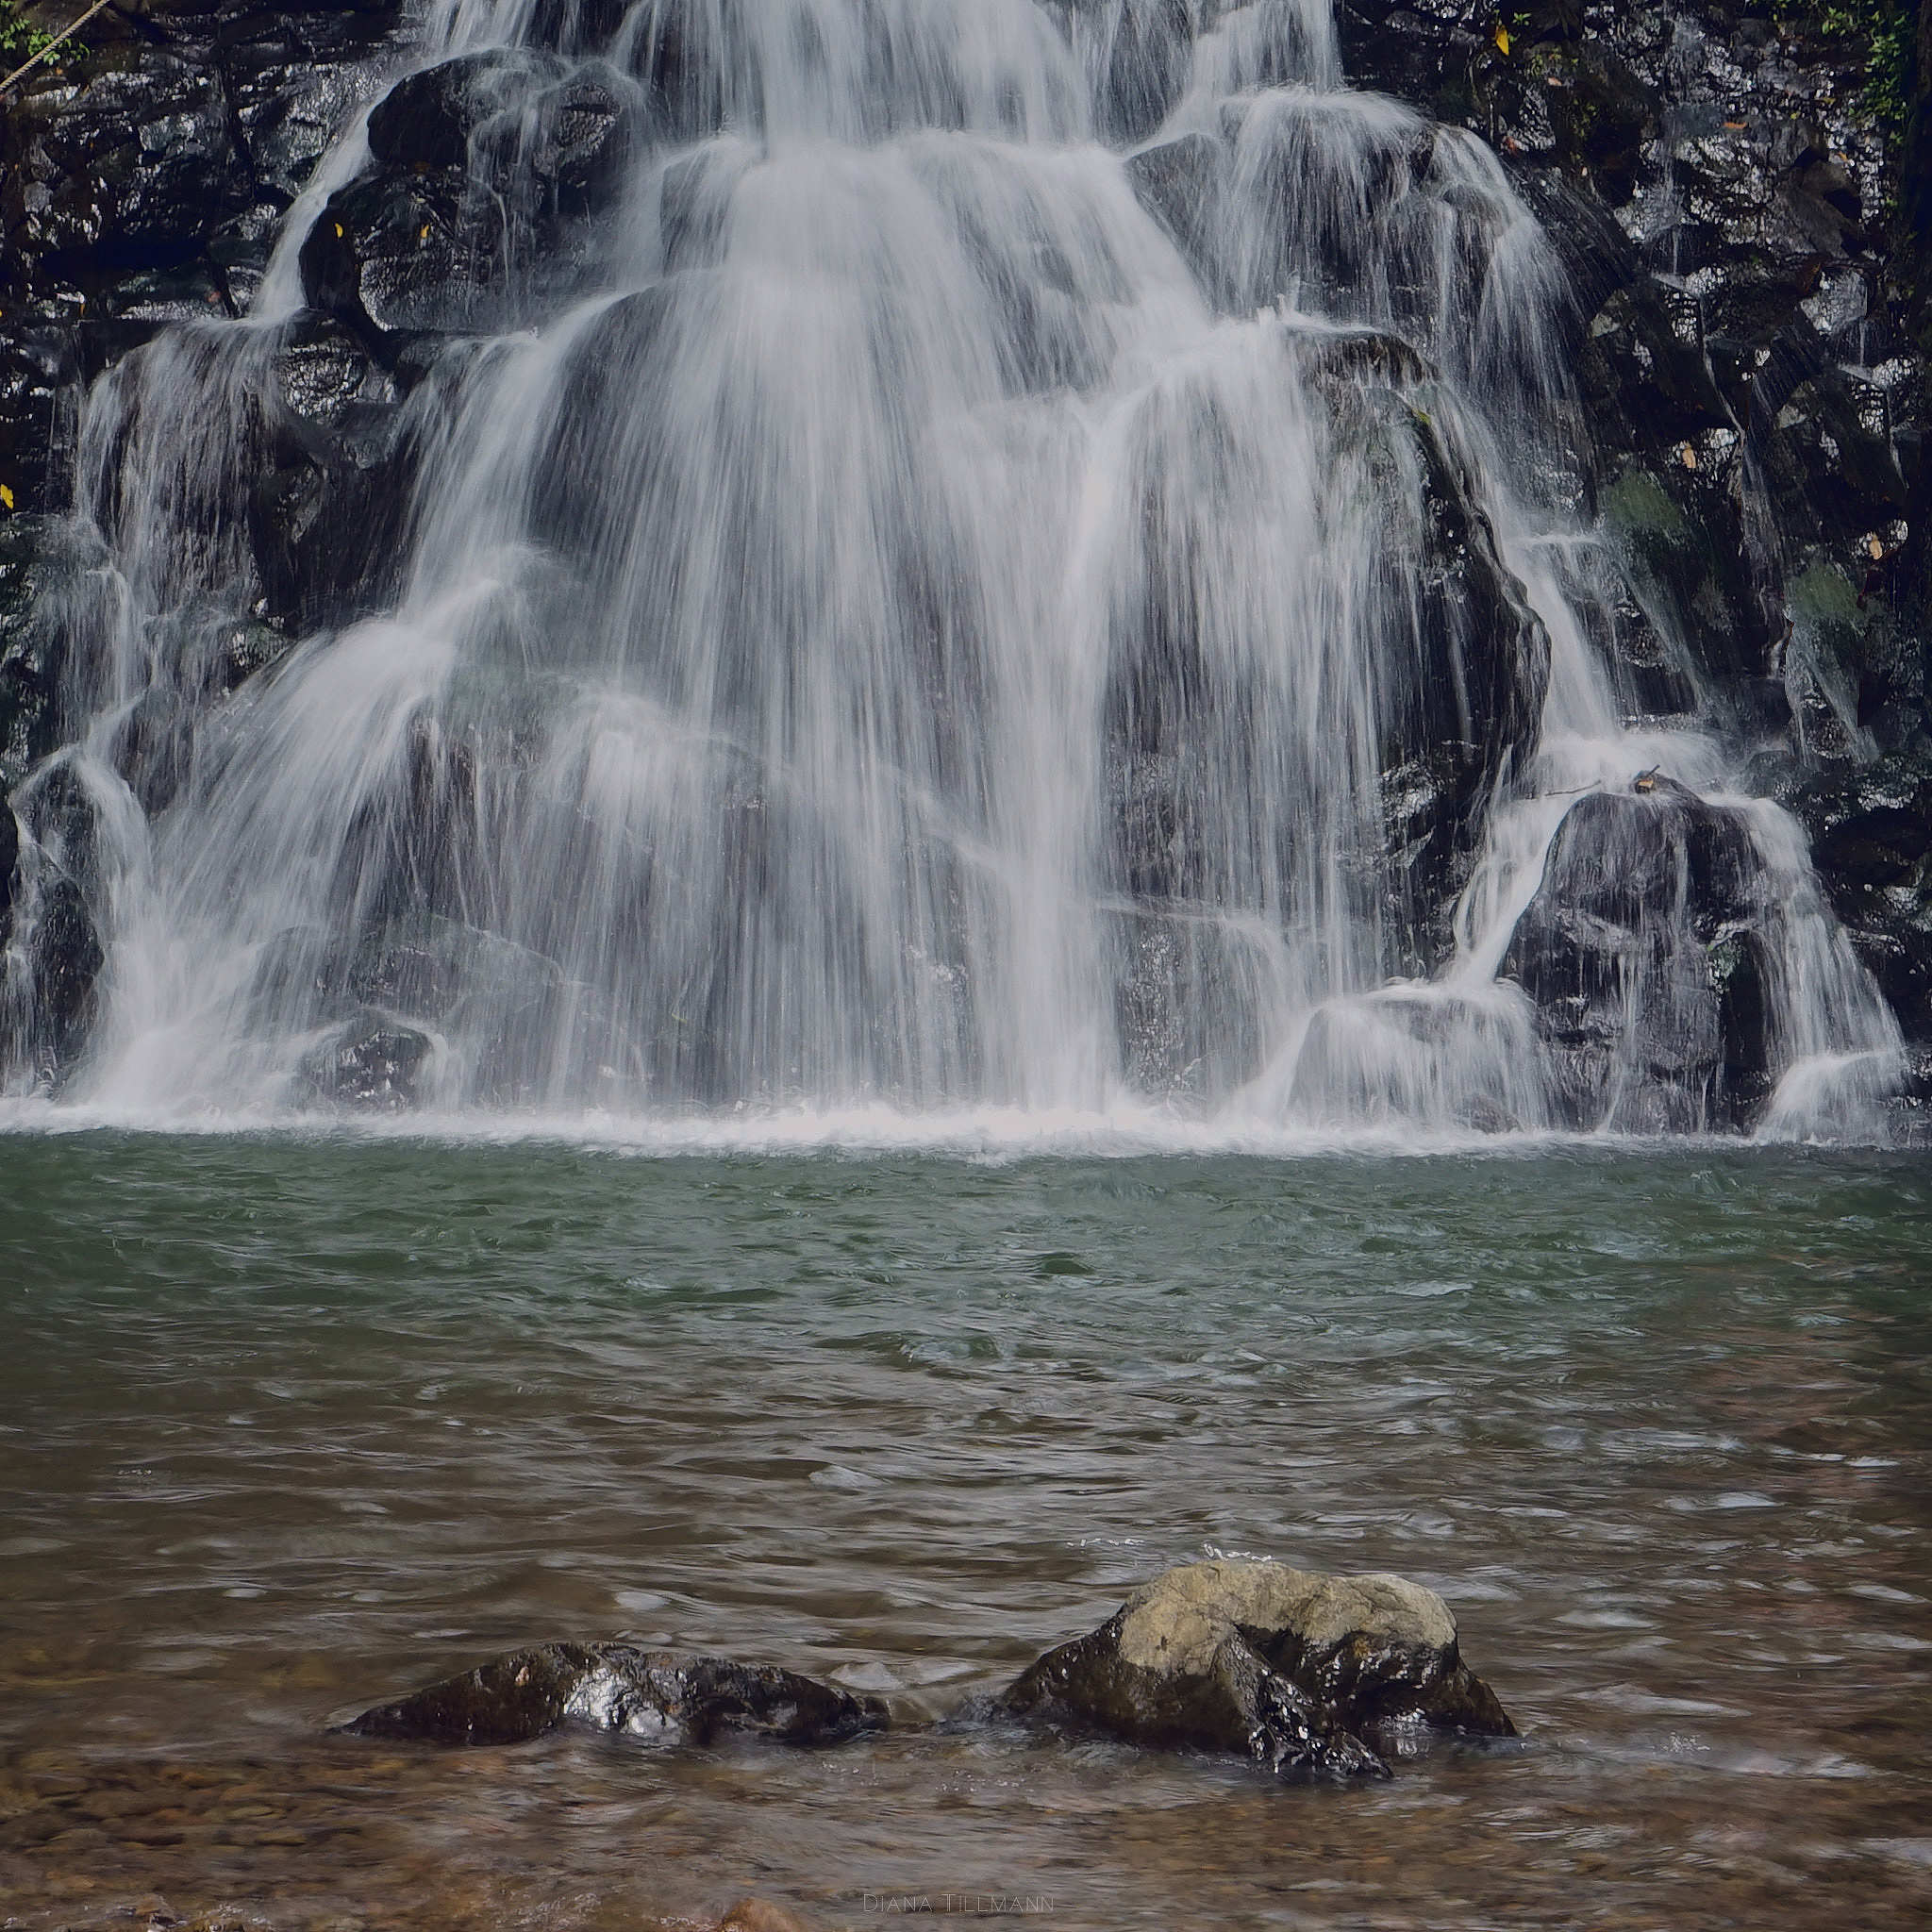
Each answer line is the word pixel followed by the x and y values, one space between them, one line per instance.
pixel 288 1425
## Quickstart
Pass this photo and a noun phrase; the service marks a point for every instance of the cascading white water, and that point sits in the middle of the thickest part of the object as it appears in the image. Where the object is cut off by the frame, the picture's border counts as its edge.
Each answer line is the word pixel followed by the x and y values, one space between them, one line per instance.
pixel 914 625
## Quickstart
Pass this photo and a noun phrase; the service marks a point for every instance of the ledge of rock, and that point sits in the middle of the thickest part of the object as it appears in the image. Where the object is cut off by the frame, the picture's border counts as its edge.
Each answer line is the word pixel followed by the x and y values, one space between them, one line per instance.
pixel 1295 1671
pixel 657 1695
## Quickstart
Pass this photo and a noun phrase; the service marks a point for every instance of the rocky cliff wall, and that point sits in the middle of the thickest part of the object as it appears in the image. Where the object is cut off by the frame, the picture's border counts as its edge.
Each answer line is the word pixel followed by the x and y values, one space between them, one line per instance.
pixel 1741 189
pixel 143 177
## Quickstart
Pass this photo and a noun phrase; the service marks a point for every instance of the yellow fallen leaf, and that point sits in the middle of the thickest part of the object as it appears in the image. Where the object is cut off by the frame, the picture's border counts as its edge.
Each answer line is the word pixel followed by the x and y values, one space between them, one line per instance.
pixel 5 495
pixel 339 228
pixel 425 235
pixel 1502 38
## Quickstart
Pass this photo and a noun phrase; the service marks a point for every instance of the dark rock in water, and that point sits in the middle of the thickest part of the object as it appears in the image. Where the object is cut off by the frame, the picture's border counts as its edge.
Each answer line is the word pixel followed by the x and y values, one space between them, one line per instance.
pixel 374 1063
pixel 1293 1670
pixel 1645 955
pixel 658 1696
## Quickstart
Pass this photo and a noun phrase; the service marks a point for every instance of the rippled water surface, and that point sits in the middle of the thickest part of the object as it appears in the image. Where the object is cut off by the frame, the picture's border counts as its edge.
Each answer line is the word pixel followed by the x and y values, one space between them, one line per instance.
pixel 289 1425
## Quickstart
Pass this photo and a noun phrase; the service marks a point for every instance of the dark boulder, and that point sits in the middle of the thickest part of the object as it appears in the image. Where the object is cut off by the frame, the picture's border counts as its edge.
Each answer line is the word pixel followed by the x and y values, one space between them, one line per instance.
pixel 374 1064
pixel 330 518
pixel 1295 1671
pixel 428 119
pixel 658 1696
pixel 1646 952
pixel 615 360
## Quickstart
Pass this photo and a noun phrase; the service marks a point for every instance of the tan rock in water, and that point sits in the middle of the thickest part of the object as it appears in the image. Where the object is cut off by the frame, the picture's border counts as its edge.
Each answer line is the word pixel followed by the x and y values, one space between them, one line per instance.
pixel 1290 1668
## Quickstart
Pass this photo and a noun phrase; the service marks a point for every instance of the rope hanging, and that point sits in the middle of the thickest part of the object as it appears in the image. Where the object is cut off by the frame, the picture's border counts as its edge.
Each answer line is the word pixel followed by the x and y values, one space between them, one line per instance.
pixel 73 27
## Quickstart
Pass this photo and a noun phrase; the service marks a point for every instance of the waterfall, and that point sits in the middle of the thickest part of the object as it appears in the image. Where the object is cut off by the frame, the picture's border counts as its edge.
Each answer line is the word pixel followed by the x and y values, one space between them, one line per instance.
pixel 991 553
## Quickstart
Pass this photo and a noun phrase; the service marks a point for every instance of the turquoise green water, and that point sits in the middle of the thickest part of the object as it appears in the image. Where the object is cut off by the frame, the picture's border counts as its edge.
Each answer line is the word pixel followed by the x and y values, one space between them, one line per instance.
pixel 288 1425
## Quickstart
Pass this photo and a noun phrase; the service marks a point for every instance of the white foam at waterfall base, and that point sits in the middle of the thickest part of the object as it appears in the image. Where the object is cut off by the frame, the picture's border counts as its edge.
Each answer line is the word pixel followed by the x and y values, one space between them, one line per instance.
pixel 794 619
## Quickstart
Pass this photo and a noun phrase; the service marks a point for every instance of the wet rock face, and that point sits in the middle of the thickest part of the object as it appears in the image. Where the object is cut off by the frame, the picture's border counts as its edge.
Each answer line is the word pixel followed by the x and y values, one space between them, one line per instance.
pixel 142 186
pixel 483 171
pixel 328 516
pixel 1471 716
pixel 1302 1673
pixel 656 1696
pixel 139 186
pixel 1645 955
pixel 1751 259
pixel 29 652
pixel 1871 837
pixel 1461 669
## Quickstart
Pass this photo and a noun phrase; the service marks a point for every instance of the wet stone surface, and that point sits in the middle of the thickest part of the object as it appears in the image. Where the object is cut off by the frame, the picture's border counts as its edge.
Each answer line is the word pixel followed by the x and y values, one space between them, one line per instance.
pixel 1293 1670
pixel 654 1696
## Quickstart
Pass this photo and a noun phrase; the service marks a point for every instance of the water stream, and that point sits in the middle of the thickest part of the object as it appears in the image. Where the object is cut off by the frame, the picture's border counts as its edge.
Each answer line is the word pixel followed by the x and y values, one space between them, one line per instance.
pixel 937 603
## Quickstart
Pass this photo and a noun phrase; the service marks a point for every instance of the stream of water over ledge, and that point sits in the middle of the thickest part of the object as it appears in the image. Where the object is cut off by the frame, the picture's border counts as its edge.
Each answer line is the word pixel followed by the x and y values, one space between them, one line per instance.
pixel 291 1423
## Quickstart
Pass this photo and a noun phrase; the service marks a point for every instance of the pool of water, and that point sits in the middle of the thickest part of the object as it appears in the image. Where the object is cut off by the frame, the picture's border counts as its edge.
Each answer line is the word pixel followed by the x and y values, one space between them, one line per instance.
pixel 291 1423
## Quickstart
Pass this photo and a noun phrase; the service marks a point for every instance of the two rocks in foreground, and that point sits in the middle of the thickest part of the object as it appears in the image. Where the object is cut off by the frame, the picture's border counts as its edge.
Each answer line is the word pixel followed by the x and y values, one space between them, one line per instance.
pixel 1305 1674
